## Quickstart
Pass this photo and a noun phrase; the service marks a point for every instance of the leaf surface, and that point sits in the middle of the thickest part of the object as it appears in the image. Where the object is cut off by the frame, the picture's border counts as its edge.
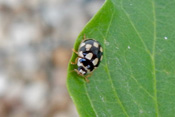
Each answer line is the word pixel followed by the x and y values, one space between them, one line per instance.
pixel 137 75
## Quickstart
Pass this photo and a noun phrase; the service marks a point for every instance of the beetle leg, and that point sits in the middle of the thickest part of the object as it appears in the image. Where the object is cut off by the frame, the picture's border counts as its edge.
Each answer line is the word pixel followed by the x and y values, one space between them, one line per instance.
pixel 89 75
pixel 84 37
pixel 78 72
pixel 86 77
pixel 76 60
pixel 74 51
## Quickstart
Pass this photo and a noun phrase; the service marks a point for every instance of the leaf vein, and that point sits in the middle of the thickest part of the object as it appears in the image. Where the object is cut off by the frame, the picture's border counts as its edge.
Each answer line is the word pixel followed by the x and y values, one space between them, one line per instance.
pixel 90 100
pixel 108 73
pixel 138 34
pixel 153 60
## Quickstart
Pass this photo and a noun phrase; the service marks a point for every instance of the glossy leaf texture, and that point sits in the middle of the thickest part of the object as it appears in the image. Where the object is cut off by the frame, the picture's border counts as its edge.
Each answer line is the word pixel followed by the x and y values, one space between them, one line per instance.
pixel 137 75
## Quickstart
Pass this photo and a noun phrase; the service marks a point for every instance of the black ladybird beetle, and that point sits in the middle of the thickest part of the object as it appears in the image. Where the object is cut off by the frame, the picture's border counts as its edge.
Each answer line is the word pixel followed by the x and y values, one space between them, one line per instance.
pixel 90 54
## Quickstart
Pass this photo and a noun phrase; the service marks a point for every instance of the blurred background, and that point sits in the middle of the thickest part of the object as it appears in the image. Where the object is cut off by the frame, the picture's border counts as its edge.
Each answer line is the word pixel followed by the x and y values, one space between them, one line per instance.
pixel 36 37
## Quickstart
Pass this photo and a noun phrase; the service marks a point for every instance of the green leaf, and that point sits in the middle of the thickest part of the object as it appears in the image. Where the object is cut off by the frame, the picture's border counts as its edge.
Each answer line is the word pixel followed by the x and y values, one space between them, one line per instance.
pixel 137 75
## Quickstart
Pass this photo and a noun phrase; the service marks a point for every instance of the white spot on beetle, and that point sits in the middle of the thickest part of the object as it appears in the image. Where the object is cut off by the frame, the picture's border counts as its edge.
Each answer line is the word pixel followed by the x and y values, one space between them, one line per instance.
pixel 96 44
pixel 81 54
pixel 95 61
pixel 89 56
pixel 88 47
pixel 129 47
pixel 78 63
pixel 165 38
pixel 101 50
pixel 81 71
pixel 101 58
pixel 82 44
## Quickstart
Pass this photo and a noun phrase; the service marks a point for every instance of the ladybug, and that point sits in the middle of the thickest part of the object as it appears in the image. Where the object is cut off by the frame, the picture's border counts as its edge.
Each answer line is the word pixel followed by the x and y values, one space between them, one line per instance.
pixel 90 54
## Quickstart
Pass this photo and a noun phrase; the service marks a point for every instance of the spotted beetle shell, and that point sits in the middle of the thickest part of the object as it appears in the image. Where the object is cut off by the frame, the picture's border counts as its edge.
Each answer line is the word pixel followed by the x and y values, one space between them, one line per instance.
pixel 90 54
